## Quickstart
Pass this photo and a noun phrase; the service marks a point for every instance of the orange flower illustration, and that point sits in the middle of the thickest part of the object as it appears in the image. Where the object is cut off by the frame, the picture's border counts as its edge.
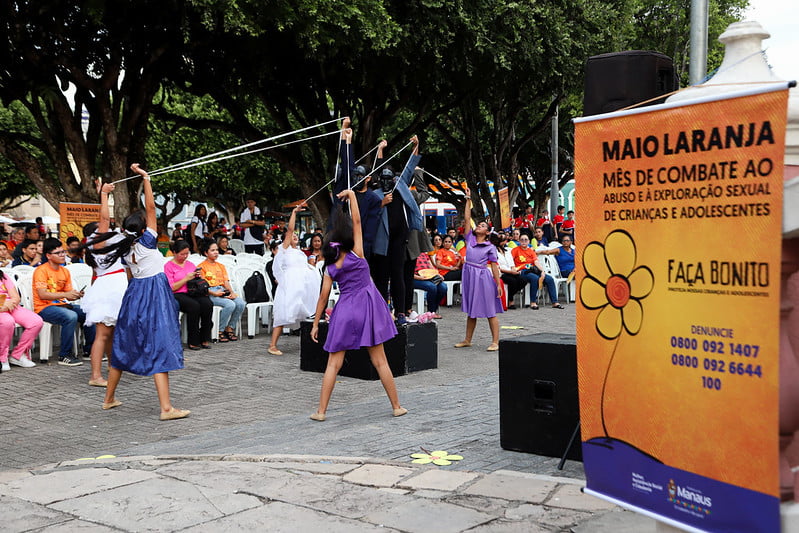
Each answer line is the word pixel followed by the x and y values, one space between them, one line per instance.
pixel 615 285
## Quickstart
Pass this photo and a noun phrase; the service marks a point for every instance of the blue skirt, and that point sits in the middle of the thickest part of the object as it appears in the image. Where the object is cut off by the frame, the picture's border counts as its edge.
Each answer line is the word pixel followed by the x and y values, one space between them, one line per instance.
pixel 147 334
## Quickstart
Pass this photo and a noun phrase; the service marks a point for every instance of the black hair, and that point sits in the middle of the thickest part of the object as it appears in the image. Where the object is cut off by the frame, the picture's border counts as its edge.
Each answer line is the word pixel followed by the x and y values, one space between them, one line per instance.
pixel 178 246
pixel 3 243
pixel 89 228
pixel 569 212
pixel 274 244
pixel 197 211
pixel 213 214
pixel 561 207
pixel 29 227
pixel 72 239
pixel 496 241
pixel 48 246
pixel 134 226
pixel 341 233
pixel 205 244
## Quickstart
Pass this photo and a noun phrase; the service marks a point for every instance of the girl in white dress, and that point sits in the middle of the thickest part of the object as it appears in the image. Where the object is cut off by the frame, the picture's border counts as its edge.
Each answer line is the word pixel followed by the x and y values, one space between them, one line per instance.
pixel 297 285
pixel 103 298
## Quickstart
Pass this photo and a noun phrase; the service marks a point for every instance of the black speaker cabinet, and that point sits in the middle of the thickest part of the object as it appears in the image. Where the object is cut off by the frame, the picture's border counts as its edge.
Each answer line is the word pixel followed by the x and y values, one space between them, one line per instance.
pixel 414 348
pixel 617 80
pixel 538 403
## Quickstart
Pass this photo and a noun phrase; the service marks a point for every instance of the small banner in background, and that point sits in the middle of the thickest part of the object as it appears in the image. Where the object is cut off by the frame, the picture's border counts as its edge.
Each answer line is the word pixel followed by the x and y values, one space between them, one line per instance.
pixel 74 217
pixel 678 308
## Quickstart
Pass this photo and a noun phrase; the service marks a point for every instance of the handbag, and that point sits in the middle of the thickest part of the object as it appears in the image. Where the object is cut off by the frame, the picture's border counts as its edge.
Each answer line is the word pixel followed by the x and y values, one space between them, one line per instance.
pixel 197 287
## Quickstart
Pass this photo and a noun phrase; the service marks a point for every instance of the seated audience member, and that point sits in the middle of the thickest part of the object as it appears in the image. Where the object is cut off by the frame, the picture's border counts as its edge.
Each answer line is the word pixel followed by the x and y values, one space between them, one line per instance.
pixel 436 239
pixel 565 256
pixel 224 245
pixel 31 234
pixel 546 226
pixel 558 221
pixel 11 314
pixel 52 294
pixel 539 239
pixel 5 257
pixel 530 268
pixel 509 274
pixel 220 291
pixel 30 256
pixel 449 262
pixel 426 278
pixel 162 242
pixel 198 309
pixel 17 236
pixel 74 250
pixel 177 233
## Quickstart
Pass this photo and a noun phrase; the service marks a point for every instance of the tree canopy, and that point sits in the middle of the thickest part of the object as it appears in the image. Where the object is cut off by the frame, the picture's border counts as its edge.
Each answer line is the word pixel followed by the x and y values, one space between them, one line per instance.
pixel 166 81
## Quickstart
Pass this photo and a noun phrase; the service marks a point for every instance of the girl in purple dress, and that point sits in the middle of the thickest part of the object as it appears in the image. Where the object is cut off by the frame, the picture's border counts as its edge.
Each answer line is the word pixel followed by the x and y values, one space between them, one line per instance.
pixel 360 317
pixel 481 296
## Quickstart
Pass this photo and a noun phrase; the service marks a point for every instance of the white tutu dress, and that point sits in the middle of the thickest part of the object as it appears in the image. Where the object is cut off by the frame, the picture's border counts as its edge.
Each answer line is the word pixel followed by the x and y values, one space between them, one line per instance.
pixel 298 286
pixel 102 300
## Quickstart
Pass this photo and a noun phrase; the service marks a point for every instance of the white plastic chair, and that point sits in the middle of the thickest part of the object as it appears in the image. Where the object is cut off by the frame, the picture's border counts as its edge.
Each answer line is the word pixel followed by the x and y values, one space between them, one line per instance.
pixel 240 276
pixel 552 268
pixel 229 261
pixel 253 261
pixel 237 245
pixel 419 295
pixel 196 259
pixel 23 269
pixel 451 286
pixel 81 275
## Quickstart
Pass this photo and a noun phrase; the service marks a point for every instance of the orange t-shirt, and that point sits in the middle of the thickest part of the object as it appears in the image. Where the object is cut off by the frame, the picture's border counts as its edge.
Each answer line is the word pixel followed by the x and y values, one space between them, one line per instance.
pixel 214 273
pixel 524 257
pixel 446 258
pixel 45 277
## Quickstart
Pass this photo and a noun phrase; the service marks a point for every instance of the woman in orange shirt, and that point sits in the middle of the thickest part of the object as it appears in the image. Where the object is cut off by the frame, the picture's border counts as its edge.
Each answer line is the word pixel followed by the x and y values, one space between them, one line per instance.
pixel 220 292
pixel 531 270
pixel 449 262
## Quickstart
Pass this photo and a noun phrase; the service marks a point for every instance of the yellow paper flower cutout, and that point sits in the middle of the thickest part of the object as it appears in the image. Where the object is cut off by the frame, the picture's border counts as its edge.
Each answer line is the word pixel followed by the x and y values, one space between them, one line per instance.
pixel 614 285
pixel 438 457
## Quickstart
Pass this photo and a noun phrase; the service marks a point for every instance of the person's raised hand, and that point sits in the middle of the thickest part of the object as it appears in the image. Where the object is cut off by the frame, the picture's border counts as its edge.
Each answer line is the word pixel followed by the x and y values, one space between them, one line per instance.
pixel 108 187
pixel 415 139
pixel 140 171
pixel 299 207
pixel 346 193
pixel 467 192
pixel 382 144
pixel 345 124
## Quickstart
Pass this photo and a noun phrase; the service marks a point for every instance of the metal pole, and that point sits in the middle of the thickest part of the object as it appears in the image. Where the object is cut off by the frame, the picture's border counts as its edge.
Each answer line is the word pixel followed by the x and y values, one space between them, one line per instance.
pixel 697 68
pixel 553 189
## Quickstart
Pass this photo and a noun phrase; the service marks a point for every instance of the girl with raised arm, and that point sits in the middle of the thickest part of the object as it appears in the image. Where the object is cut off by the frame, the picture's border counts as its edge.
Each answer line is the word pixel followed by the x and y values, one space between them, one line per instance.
pixel 147 336
pixel 103 298
pixel 480 294
pixel 297 284
pixel 361 317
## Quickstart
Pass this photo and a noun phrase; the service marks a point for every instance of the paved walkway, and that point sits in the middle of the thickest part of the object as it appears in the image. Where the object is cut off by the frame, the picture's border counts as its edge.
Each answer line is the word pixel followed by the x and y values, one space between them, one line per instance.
pixel 245 401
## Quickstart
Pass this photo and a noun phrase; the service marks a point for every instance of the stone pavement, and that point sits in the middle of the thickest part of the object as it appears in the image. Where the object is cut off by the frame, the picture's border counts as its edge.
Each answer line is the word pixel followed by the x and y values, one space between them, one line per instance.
pixel 244 401
pixel 297 493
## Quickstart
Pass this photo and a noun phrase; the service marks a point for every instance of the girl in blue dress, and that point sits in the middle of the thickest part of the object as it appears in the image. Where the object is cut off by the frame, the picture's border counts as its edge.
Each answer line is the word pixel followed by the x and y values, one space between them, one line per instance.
pixel 147 335
pixel 361 317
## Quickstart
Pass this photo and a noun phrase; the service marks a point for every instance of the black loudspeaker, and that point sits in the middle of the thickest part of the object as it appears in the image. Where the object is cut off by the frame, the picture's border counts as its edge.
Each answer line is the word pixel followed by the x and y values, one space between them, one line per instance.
pixel 618 80
pixel 538 403
pixel 414 348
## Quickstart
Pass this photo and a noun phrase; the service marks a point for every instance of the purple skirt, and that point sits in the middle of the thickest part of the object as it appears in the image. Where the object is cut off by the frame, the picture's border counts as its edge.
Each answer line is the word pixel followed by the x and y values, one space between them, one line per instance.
pixel 479 292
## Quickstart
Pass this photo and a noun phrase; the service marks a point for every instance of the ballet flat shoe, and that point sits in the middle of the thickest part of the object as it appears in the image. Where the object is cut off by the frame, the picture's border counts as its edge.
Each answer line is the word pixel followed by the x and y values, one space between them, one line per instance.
pixel 175 414
pixel 399 411
pixel 319 417
pixel 111 405
pixel 274 351
pixel 98 383
pixel 463 344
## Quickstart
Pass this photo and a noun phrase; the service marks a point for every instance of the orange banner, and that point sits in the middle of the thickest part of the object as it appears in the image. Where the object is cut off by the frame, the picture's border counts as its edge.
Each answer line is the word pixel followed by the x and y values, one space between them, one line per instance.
pixel 504 207
pixel 678 307
pixel 74 217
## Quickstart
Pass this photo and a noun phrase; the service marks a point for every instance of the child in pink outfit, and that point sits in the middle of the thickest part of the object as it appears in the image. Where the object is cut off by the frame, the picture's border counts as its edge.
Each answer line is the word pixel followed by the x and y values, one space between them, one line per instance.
pixel 10 314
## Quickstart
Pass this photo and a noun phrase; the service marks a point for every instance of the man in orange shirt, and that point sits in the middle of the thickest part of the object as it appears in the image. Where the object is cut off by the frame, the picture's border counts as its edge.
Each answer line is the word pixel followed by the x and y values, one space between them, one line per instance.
pixel 531 269
pixel 52 292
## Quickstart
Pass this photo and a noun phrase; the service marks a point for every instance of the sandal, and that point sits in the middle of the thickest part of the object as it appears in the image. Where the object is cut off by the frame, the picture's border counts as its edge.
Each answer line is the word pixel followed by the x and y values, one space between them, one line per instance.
pixel 223 337
pixel 534 307
pixel 557 306
pixel 231 335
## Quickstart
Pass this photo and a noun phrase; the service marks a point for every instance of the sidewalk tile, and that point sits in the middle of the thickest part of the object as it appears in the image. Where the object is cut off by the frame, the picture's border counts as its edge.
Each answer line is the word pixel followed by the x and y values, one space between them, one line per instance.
pixel 67 484
pixel 571 497
pixel 511 488
pixel 22 515
pixel 438 480
pixel 378 475
pixel 427 516
pixel 278 517
pixel 156 504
